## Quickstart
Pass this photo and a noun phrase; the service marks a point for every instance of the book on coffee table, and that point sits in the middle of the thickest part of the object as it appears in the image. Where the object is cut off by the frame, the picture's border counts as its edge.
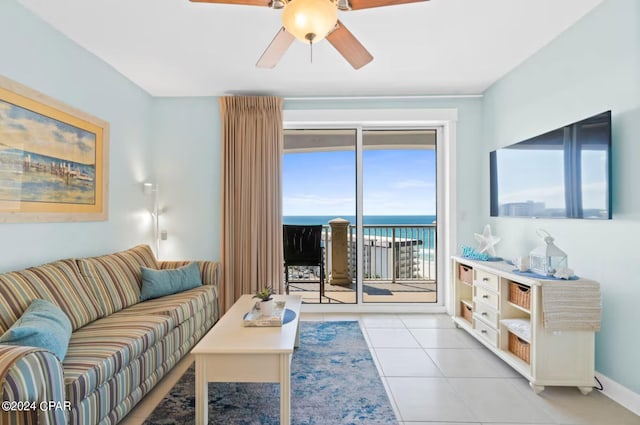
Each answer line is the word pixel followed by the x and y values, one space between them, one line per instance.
pixel 256 318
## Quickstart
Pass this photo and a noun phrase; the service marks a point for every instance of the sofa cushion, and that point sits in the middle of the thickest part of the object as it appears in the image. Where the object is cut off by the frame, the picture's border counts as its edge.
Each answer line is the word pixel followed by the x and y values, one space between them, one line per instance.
pixel 42 325
pixel 103 348
pixel 115 279
pixel 159 283
pixel 179 306
pixel 58 282
pixel 107 346
pixel 109 402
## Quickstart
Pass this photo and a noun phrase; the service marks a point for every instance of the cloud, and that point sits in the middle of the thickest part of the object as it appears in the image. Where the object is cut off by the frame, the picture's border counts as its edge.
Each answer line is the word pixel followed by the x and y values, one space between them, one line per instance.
pixel 318 205
pixel 412 184
pixel 25 130
pixel 392 203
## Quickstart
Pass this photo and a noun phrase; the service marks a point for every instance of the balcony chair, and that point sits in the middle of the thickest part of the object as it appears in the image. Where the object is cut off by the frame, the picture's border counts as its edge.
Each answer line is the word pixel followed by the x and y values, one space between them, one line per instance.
pixel 303 247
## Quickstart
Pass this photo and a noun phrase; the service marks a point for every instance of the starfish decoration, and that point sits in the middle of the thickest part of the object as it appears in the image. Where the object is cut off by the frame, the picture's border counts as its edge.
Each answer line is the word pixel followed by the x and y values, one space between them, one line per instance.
pixel 487 241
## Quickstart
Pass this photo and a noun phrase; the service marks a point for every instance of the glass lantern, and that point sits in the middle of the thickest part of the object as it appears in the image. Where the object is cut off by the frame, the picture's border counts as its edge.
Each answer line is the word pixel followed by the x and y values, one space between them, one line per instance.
pixel 546 260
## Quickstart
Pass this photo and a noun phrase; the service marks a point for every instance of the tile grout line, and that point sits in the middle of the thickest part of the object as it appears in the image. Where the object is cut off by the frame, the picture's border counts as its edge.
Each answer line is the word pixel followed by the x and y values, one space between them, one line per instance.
pixel 383 378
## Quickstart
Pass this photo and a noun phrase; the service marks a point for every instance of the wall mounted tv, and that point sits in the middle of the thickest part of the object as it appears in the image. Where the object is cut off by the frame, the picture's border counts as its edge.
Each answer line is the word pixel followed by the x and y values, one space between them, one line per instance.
pixel 565 173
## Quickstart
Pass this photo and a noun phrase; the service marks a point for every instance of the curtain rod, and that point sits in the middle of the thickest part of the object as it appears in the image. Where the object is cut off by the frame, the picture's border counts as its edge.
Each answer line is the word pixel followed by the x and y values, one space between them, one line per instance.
pixel 417 97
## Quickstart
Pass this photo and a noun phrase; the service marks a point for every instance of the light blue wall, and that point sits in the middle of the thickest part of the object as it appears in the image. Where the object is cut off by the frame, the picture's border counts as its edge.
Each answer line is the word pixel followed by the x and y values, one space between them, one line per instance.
pixel 592 67
pixel 34 54
pixel 186 154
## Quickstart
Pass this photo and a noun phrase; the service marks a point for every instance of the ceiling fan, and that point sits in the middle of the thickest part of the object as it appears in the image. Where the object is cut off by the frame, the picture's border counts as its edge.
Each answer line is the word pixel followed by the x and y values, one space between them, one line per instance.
pixel 312 20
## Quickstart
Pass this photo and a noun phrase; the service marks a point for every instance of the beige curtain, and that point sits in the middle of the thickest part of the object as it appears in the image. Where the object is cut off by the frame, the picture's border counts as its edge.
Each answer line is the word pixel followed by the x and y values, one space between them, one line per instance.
pixel 251 240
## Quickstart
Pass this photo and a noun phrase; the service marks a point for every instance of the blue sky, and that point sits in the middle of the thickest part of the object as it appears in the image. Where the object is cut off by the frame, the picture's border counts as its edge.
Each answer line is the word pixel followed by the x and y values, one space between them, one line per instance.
pixel 396 182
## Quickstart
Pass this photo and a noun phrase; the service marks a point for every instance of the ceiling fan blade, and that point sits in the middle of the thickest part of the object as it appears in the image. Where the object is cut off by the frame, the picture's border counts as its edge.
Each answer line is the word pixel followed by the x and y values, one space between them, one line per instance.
pixel 240 2
pixel 276 49
pixel 367 4
pixel 349 46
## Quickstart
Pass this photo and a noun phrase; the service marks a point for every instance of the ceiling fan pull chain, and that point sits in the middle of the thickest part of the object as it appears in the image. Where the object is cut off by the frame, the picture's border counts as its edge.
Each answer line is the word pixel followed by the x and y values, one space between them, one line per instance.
pixel 310 37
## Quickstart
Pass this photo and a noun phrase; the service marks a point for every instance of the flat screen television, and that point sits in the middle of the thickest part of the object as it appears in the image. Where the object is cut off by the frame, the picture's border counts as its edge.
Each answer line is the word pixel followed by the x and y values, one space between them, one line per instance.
pixel 565 173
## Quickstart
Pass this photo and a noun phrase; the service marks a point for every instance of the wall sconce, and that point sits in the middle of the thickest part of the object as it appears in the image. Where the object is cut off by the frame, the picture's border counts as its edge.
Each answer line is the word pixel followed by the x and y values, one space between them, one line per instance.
pixel 149 188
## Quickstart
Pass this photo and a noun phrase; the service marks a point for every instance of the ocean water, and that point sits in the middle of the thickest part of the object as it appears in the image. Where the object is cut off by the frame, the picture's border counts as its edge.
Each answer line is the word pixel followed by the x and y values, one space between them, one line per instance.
pixel 426 236
pixel 367 219
pixel 33 185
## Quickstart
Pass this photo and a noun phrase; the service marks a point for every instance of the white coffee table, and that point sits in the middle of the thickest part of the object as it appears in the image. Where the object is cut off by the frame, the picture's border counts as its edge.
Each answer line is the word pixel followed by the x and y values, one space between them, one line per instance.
pixel 230 352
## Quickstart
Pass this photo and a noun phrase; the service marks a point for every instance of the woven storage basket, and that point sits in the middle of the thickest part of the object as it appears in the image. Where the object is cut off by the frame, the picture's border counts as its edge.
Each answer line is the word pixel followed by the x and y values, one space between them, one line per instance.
pixel 520 295
pixel 465 274
pixel 520 347
pixel 466 312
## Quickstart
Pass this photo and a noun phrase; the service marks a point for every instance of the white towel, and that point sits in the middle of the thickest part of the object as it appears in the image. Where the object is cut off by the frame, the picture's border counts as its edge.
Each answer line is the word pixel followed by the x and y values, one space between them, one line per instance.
pixel 571 305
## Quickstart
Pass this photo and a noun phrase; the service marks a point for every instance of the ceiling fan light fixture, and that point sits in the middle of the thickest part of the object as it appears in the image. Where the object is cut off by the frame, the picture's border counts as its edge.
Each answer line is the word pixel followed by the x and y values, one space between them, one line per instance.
pixel 310 20
pixel 344 5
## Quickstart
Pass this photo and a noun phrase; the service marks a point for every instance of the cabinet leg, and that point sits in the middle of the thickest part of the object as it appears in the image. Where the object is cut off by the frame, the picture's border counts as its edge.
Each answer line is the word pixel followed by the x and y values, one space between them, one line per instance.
pixel 536 388
pixel 585 390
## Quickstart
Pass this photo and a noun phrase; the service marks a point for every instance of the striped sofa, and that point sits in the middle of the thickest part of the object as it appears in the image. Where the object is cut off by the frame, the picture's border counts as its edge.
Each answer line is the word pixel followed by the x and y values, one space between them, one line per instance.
pixel 120 347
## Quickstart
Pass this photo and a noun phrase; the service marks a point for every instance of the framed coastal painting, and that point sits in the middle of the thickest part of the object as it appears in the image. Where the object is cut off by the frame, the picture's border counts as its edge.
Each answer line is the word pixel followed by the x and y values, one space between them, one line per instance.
pixel 53 159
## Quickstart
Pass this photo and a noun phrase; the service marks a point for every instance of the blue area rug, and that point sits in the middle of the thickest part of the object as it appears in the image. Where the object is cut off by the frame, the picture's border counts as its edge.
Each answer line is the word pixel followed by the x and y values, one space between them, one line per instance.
pixel 333 381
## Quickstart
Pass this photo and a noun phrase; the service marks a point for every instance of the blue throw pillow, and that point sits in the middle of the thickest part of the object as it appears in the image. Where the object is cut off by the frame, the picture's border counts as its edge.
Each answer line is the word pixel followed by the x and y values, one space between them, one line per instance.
pixel 43 324
pixel 158 283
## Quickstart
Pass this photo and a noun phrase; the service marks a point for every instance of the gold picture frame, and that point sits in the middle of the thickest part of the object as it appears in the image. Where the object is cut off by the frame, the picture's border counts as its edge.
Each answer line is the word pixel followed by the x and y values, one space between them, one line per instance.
pixel 54 159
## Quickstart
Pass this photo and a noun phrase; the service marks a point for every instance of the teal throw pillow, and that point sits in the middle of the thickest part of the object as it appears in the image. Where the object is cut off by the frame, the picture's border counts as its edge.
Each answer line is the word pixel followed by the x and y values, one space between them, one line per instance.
pixel 44 325
pixel 158 283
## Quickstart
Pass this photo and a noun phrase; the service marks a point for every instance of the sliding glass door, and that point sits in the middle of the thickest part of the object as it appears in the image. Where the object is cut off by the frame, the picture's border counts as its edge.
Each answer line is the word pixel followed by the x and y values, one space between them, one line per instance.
pixel 399 216
pixel 319 188
pixel 391 175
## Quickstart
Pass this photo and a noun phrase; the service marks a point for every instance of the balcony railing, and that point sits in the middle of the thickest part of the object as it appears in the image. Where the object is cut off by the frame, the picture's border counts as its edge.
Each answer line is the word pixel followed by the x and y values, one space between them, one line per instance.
pixel 391 253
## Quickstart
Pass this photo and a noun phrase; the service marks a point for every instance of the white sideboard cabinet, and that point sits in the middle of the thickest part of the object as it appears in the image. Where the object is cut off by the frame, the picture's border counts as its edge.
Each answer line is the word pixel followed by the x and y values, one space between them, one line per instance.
pixel 503 310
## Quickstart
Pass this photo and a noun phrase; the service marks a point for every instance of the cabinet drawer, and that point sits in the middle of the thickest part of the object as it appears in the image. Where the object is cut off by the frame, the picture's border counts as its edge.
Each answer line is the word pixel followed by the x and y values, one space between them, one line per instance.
pixel 489 280
pixel 487 297
pixel 486 332
pixel 487 314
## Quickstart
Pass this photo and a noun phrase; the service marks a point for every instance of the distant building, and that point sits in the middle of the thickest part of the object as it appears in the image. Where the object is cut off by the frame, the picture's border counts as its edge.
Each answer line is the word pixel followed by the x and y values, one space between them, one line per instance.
pixel 526 209
pixel 379 253
pixel 378 257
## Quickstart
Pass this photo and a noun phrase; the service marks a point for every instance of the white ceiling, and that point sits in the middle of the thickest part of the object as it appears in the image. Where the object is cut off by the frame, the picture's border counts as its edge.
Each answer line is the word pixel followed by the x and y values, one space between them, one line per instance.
pixel 179 48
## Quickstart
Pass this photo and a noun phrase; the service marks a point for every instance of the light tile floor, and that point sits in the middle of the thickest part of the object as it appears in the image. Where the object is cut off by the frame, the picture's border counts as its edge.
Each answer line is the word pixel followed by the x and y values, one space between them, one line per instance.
pixel 436 374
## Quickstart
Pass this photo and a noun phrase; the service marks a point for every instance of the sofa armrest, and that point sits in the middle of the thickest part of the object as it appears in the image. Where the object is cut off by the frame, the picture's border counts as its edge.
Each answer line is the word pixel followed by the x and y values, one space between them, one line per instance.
pixel 208 269
pixel 32 379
